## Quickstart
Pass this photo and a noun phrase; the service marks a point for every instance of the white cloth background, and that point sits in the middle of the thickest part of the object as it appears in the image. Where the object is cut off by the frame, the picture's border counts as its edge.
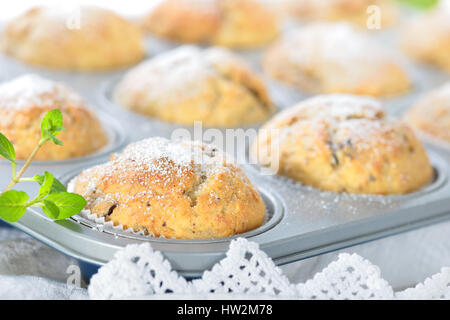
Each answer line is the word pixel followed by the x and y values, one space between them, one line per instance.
pixel 405 259
pixel 31 270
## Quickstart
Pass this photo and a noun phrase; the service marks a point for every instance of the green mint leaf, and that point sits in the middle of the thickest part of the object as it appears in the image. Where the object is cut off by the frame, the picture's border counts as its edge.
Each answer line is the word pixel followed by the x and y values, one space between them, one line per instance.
pixel 13 205
pixel 7 149
pixel 68 204
pixel 50 209
pixel 421 4
pixel 53 138
pixel 51 126
pixel 57 186
pixel 46 185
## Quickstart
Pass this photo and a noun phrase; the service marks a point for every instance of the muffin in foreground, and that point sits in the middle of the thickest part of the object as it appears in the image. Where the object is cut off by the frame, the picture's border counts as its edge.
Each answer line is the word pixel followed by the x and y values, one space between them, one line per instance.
pixel 335 58
pixel 229 23
pixel 345 143
pixel 191 84
pixel 175 189
pixel 25 100
pixel 354 11
pixel 431 114
pixel 427 36
pixel 43 37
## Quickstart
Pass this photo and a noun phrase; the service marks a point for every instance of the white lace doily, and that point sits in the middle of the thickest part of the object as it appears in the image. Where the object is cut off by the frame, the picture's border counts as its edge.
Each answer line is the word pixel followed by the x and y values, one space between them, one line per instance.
pixel 247 272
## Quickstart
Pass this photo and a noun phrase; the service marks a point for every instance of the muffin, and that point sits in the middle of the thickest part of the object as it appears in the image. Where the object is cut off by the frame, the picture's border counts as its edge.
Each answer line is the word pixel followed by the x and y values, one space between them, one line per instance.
pixel 173 189
pixel 344 143
pixel 431 114
pixel 354 11
pixel 229 23
pixel 427 37
pixel 24 102
pixel 335 58
pixel 191 84
pixel 44 36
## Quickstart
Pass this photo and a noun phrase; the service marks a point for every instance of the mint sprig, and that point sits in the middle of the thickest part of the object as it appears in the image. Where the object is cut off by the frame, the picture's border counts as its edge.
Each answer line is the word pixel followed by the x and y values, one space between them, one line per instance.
pixel 53 198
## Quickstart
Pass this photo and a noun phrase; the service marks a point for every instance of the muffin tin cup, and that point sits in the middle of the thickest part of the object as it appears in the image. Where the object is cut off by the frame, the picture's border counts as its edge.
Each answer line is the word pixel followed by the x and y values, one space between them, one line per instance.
pixel 422 77
pixel 274 214
pixel 93 242
pixel 440 170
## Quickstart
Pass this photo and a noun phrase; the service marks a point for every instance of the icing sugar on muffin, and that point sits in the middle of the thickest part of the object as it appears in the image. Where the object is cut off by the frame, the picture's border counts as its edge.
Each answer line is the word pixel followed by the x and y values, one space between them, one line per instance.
pixel 335 58
pixel 427 36
pixel 354 11
pixel 345 143
pixel 43 36
pixel 176 189
pixel 431 114
pixel 25 100
pixel 230 23
pixel 191 84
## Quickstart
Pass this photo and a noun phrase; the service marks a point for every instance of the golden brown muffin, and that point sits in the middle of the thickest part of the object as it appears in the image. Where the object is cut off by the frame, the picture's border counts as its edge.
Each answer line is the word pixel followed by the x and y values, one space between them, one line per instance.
pixel 230 23
pixel 191 84
pixel 345 143
pixel 335 58
pixel 431 114
pixel 354 11
pixel 45 37
pixel 176 189
pixel 427 37
pixel 24 101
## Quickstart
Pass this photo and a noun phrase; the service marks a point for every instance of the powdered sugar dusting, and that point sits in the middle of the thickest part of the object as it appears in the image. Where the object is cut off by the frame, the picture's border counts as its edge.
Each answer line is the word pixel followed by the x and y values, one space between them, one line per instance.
pixel 336 106
pixel 32 90
pixel 155 169
pixel 183 153
pixel 165 160
pixel 172 76
pixel 329 48
pixel 346 119
pixel 337 42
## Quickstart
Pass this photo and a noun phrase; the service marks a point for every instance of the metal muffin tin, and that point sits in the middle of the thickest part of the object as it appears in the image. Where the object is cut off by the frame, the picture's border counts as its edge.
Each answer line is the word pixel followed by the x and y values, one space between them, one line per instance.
pixel 301 221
